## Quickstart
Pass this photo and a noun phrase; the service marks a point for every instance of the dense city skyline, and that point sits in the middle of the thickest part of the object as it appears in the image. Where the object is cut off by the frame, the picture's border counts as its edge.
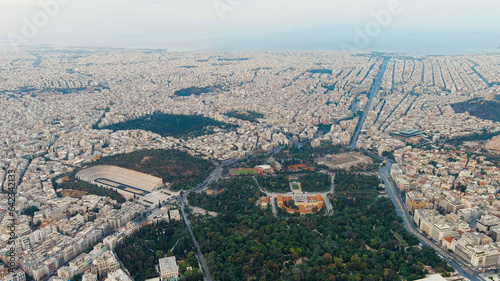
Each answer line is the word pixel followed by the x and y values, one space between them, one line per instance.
pixel 227 140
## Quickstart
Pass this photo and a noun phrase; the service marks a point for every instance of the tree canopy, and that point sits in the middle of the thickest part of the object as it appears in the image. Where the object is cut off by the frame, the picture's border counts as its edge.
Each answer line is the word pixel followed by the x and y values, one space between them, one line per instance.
pixel 358 242
pixel 173 166
pixel 141 251
pixel 315 182
pixel 251 116
pixel 171 125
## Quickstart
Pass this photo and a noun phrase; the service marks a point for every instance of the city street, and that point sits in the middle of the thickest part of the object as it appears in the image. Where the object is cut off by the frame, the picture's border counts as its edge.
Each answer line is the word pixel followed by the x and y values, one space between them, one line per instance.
pixel 392 191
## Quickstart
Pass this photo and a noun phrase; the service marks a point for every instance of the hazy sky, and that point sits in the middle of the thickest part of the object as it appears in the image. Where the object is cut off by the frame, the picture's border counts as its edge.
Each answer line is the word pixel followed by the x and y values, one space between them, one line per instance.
pixel 420 25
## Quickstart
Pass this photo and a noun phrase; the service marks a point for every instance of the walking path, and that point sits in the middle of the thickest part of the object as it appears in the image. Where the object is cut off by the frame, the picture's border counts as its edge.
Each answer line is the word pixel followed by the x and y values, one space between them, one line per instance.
pixel 328 204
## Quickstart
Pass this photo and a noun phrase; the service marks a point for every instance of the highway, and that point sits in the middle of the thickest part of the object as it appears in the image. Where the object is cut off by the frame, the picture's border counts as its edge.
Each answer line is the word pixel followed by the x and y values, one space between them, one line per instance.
pixel 371 94
pixel 460 267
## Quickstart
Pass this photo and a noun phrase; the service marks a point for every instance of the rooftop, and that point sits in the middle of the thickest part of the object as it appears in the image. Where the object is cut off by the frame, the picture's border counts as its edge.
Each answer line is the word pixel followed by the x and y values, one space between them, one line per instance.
pixel 168 264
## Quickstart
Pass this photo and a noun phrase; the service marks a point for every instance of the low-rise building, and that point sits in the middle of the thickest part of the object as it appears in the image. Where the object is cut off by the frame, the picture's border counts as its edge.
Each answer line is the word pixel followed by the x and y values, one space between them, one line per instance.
pixel 169 271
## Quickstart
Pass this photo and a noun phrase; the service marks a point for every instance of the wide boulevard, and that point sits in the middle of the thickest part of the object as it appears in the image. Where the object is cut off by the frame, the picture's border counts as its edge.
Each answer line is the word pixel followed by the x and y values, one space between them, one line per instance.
pixel 464 269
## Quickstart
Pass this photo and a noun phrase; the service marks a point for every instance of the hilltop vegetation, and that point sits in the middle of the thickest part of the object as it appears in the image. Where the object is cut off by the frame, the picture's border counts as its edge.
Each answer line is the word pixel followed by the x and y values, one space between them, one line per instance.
pixel 473 137
pixel 76 184
pixel 194 91
pixel 173 166
pixel 484 109
pixel 171 125
pixel 251 116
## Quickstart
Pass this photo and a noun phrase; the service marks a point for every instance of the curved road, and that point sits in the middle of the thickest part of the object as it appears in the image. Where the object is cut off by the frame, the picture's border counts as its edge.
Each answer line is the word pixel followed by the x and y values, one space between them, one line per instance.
pixel 391 189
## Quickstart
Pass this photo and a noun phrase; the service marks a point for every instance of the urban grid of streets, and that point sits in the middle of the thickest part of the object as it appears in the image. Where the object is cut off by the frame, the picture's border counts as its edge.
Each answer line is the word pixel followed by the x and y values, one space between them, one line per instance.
pixel 52 99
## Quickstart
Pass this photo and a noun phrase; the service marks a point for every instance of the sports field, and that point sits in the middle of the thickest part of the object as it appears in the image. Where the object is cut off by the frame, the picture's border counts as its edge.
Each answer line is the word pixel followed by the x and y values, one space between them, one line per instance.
pixel 127 182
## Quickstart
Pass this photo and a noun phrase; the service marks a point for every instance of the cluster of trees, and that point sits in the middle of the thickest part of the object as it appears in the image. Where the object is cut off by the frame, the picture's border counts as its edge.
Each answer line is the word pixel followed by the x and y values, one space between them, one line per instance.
pixel 96 125
pixel 76 277
pixel 494 159
pixel 324 128
pixel 367 167
pixel 241 190
pixel 30 211
pixel 76 184
pixel 330 87
pixel 309 153
pixel 171 125
pixel 291 161
pixel 460 187
pixel 232 59
pixel 389 155
pixel 174 166
pixel 424 146
pixel 252 161
pixel 251 116
pixel 315 182
pixel 140 252
pixel 484 109
pixel 473 137
pixel 345 181
pixel 278 183
pixel 358 114
pixel 354 244
pixel 320 71
pixel 196 91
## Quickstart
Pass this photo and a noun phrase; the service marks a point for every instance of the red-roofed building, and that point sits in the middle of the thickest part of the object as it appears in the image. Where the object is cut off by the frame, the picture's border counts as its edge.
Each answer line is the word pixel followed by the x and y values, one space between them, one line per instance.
pixel 298 167
pixel 264 201
pixel 447 242
pixel 308 206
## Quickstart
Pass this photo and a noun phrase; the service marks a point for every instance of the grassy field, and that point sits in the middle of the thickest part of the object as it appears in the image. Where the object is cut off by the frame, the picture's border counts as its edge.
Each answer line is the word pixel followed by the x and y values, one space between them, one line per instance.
pixel 243 172
pixel 295 184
